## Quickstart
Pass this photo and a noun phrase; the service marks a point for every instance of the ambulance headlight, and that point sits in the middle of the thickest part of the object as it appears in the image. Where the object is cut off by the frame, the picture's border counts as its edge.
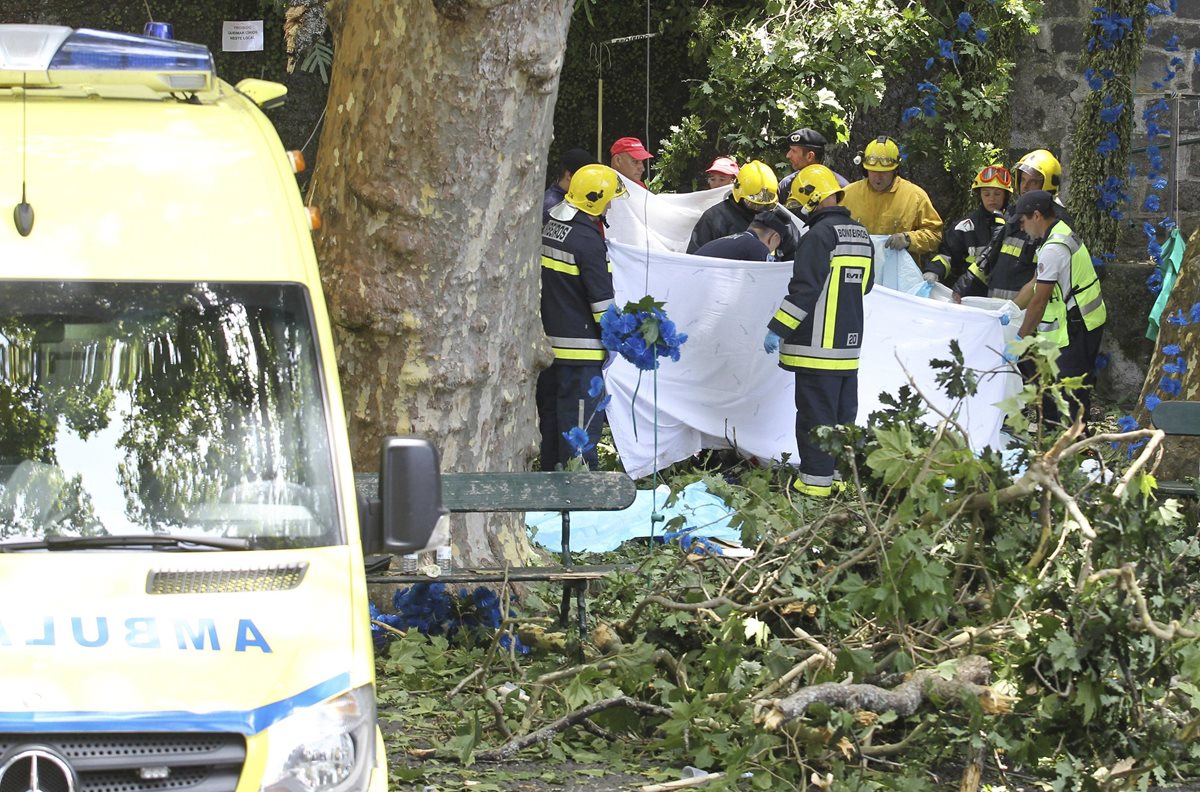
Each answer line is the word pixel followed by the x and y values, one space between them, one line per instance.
pixel 329 747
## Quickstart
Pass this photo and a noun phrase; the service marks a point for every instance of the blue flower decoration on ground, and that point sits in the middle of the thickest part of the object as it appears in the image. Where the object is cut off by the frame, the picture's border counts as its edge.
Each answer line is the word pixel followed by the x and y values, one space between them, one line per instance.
pixel 434 609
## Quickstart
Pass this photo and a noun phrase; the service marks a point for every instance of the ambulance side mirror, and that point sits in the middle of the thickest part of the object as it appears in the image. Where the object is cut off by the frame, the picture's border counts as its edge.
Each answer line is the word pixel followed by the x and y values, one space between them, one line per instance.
pixel 264 93
pixel 407 515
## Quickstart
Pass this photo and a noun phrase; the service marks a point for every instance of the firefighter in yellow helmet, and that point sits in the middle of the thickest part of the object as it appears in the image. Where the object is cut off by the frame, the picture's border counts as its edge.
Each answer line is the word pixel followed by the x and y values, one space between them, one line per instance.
pixel 754 190
pixel 890 205
pixel 576 289
pixel 818 328
pixel 1009 262
pixel 969 237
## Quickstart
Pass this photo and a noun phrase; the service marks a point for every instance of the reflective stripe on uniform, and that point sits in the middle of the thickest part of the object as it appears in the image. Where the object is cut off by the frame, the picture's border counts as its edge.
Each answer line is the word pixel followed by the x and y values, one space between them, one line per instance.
pixel 804 350
pixel 558 255
pixel 579 354
pixel 1004 294
pixel 818 363
pixel 838 267
pixel 559 266
pixel 790 315
pixel 1087 308
pixel 812 489
pixel 579 343
pixel 1071 241
pixel 600 307
pixel 944 262
pixel 577 348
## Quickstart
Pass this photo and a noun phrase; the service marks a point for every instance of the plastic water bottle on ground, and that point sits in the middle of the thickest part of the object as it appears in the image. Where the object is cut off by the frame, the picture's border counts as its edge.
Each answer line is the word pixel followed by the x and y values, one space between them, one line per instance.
pixel 445 560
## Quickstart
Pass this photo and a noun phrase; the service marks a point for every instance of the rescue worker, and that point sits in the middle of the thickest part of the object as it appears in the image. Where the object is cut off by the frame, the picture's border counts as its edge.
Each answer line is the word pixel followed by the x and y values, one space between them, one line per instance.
pixel 820 322
pixel 629 159
pixel 1066 304
pixel 969 237
pixel 757 243
pixel 805 147
pixel 755 190
pixel 888 204
pixel 1010 262
pixel 576 289
pixel 572 160
pixel 721 173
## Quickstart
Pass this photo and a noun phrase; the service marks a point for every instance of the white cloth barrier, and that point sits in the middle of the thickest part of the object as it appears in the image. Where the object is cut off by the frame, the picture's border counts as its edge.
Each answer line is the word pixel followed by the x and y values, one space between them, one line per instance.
pixel 725 390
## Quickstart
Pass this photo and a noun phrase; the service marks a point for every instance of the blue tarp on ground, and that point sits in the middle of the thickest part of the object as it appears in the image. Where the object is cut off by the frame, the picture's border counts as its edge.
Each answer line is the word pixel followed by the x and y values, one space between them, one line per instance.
pixel 603 531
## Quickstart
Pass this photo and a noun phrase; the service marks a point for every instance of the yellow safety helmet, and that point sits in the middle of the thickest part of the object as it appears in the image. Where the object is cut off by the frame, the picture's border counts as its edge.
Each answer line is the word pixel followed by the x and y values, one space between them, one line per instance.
pixel 882 154
pixel 1044 164
pixel 593 187
pixel 757 185
pixel 812 185
pixel 996 176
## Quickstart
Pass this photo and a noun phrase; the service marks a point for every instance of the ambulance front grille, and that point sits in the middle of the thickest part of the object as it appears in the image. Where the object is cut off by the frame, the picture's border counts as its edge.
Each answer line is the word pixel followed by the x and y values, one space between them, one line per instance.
pixel 138 762
pixel 224 581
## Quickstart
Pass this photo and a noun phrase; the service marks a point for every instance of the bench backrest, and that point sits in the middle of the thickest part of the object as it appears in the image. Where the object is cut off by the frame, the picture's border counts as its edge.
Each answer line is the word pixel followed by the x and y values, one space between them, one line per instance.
pixel 520 492
pixel 1177 417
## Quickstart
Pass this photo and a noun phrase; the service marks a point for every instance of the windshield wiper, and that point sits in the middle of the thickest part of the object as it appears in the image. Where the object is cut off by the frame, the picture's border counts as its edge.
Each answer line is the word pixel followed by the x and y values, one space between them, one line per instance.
pixel 135 540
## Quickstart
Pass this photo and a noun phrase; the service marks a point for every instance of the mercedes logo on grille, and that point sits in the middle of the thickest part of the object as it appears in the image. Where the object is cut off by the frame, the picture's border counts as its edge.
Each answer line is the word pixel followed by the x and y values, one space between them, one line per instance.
pixel 36 769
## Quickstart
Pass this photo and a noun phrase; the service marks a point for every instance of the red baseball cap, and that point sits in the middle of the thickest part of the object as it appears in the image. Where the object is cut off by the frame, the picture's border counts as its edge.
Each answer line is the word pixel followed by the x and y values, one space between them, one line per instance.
pixel 631 146
pixel 724 165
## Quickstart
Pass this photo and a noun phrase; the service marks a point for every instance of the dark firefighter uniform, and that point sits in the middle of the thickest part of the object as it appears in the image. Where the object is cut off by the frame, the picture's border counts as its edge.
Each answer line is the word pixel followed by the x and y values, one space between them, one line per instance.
pixel 576 289
pixel 730 217
pixel 1006 265
pixel 821 325
pixel 962 244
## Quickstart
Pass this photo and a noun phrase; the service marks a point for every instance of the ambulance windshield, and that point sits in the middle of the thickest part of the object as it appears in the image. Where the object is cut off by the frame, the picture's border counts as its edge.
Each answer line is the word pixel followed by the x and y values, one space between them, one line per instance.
pixel 173 409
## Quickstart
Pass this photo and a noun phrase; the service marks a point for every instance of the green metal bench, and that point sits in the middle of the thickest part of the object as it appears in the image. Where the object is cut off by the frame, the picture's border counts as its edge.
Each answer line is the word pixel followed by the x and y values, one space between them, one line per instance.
pixel 562 492
pixel 1180 419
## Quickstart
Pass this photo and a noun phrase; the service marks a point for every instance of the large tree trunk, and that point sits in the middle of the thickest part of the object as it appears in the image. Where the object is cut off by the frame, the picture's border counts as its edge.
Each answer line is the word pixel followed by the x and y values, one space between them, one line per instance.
pixel 1179 459
pixel 429 179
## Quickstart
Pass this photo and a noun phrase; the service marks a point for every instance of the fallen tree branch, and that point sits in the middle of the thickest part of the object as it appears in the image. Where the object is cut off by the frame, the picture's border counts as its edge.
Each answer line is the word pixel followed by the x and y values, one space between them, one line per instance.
pixel 1127 580
pixel 546 733
pixel 971 677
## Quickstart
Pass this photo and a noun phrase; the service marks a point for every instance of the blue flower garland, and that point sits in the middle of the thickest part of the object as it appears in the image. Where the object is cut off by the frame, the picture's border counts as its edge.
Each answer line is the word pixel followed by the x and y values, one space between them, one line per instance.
pixel 434 609
pixel 641 333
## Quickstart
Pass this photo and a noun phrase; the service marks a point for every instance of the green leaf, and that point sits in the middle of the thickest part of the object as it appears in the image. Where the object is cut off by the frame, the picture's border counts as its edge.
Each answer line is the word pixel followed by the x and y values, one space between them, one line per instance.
pixel 1063 651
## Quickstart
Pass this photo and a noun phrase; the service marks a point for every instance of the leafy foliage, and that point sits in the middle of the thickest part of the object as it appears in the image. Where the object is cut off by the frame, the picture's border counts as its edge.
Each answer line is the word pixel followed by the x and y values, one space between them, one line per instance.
pixel 776 66
pixel 1105 126
pixel 1077 587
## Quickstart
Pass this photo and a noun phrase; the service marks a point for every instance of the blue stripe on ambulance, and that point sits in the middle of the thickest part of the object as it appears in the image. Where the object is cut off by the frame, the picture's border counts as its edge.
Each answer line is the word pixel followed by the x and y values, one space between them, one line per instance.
pixel 252 722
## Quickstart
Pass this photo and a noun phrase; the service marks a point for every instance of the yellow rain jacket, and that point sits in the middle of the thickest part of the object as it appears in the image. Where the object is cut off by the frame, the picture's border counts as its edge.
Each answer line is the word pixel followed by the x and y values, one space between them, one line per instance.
pixel 903 208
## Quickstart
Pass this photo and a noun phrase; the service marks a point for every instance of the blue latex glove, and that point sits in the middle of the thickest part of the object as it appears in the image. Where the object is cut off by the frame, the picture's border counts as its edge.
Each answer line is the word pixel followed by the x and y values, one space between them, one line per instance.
pixel 771 343
pixel 1009 355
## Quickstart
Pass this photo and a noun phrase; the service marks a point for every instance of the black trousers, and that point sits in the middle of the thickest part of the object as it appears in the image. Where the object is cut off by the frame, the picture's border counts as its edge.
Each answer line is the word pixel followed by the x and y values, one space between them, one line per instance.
pixel 822 400
pixel 1077 359
pixel 560 389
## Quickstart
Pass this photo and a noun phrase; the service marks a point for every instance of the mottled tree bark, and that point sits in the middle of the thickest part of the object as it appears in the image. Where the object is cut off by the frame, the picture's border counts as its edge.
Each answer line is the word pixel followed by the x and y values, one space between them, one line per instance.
pixel 429 179
pixel 1181 453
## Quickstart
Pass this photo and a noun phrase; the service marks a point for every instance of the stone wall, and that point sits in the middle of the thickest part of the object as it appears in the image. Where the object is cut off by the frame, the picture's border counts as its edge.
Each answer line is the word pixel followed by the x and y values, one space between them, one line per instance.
pixel 1049 93
pixel 1050 89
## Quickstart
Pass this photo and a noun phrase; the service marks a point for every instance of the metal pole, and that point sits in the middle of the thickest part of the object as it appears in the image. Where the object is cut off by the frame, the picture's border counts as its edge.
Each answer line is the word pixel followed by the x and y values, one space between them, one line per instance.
pixel 1174 195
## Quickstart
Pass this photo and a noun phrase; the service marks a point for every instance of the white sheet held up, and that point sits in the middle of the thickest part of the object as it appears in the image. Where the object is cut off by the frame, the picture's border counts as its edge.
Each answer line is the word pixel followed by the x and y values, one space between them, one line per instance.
pixel 726 391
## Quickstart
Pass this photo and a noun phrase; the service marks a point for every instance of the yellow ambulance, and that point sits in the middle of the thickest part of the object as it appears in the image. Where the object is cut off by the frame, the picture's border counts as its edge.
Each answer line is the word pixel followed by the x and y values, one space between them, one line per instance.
pixel 182 597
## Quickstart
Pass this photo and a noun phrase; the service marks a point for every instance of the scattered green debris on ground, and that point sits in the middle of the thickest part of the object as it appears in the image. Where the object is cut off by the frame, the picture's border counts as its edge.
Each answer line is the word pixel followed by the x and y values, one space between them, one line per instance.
pixel 1026 619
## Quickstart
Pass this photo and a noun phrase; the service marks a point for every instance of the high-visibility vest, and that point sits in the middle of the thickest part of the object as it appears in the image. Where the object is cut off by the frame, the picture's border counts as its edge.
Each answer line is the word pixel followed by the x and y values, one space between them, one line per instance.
pixel 1085 289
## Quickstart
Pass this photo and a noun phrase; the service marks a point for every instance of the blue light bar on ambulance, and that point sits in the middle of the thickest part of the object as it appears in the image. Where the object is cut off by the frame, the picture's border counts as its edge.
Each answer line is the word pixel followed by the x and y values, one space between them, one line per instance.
pixel 29 56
